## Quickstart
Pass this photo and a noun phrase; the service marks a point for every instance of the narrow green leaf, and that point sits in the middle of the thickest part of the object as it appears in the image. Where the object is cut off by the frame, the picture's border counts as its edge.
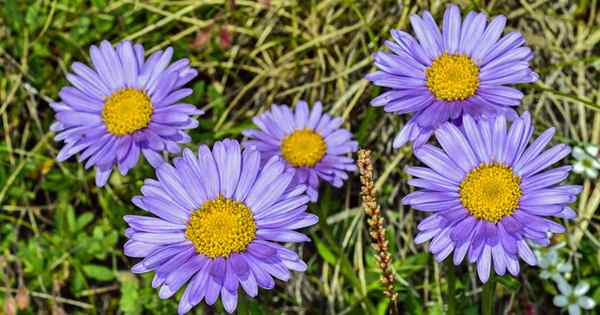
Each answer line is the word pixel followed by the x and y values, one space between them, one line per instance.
pixel 98 272
pixel 325 252
pixel 509 282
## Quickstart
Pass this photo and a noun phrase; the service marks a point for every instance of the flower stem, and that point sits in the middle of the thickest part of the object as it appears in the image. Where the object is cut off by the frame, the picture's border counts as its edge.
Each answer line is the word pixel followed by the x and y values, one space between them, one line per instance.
pixel 489 296
pixel 451 277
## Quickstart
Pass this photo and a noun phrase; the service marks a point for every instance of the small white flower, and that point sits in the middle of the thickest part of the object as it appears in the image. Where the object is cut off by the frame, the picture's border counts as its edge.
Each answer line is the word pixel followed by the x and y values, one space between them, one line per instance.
pixel 552 266
pixel 573 298
pixel 587 161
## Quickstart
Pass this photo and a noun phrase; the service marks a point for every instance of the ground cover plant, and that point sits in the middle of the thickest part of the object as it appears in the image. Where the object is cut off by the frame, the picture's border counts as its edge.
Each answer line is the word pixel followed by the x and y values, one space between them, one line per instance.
pixel 366 233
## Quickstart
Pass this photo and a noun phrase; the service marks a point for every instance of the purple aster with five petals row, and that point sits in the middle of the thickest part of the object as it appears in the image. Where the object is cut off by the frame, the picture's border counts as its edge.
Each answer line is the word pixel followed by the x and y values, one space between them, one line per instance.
pixel 489 193
pixel 310 141
pixel 221 214
pixel 442 75
pixel 123 106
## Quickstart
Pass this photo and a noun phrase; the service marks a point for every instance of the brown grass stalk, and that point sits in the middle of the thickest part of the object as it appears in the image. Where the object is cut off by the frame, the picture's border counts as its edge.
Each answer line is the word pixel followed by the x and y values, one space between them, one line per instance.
pixel 376 224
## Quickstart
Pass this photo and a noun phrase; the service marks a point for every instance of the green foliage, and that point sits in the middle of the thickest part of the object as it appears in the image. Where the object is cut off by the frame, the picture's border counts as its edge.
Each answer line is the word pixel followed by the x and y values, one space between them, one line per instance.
pixel 62 237
pixel 130 294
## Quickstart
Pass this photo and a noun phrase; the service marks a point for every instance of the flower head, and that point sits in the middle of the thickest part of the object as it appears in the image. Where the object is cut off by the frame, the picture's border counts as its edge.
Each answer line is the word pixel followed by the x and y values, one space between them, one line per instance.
pixel 573 299
pixel 489 192
pixel 587 161
pixel 310 142
pixel 442 75
pixel 219 217
pixel 122 106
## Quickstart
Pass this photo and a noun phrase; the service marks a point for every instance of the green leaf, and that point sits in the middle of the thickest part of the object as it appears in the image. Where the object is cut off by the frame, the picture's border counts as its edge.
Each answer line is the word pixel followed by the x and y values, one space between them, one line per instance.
pixel 32 16
pixel 325 252
pixel 78 281
pixel 596 295
pixel 16 17
pixel 411 264
pixel 111 240
pixel 414 303
pixel 509 282
pixel 98 272
pixel 129 303
pixel 199 90
pixel 472 309
pixel 249 306
pixel 99 3
pixel 84 219
pixel 382 306
pixel 71 221
pixel 216 98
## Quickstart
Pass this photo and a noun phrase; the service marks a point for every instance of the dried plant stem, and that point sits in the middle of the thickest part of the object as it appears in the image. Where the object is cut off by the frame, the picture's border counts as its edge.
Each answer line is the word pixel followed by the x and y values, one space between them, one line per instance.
pixel 376 225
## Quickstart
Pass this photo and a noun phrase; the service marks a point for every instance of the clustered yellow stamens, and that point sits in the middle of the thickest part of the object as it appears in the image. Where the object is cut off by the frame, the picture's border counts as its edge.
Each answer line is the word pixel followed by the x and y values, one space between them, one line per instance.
pixel 452 77
pixel 490 192
pixel 126 111
pixel 221 227
pixel 303 148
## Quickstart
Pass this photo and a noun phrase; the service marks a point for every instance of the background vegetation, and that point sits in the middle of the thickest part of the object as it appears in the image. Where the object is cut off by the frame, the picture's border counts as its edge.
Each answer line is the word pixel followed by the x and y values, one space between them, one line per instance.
pixel 61 237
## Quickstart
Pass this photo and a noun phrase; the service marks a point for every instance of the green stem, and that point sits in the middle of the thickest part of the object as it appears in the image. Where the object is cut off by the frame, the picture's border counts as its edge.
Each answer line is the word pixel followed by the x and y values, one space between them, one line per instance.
pixel 488 296
pixel 451 287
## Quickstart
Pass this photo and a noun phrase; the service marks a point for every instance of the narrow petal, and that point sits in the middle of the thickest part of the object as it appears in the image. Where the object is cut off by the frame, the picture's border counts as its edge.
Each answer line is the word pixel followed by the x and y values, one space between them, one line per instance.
pixel 484 264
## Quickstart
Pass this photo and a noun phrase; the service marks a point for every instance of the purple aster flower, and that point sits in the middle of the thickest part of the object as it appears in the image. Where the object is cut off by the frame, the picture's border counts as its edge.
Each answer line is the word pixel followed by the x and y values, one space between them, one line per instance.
pixel 124 105
pixel 220 214
pixel 310 141
pixel 489 193
pixel 461 70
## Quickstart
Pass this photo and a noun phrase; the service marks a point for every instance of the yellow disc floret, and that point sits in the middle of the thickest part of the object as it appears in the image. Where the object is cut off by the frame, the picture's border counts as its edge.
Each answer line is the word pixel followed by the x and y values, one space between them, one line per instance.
pixel 221 227
pixel 490 192
pixel 452 77
pixel 126 111
pixel 303 148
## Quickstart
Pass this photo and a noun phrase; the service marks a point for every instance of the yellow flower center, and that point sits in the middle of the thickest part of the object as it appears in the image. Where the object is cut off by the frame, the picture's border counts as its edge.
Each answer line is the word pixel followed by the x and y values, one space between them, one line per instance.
pixel 126 111
pixel 490 192
pixel 452 77
pixel 220 227
pixel 303 148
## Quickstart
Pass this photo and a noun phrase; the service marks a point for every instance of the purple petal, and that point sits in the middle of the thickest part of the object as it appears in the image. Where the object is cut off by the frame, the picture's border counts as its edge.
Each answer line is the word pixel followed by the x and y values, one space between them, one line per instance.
pixel 484 264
